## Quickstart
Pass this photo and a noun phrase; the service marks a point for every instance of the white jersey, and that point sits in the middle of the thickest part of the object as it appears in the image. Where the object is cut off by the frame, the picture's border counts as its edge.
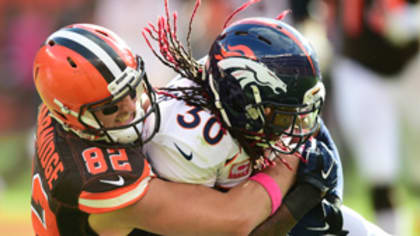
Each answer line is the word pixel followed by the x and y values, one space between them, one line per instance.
pixel 192 147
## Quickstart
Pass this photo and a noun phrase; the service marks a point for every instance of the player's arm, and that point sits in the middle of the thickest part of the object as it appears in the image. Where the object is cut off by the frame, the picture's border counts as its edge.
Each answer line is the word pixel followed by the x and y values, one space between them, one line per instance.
pixel 278 224
pixel 185 209
pixel 315 178
pixel 284 220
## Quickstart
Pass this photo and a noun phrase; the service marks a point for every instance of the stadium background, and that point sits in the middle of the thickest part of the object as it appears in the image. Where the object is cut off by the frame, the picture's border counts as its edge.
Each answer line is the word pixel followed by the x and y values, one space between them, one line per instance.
pixel 24 24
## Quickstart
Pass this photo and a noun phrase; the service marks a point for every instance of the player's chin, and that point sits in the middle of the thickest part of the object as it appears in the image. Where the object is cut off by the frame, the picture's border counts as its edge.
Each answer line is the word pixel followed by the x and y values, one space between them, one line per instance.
pixel 126 120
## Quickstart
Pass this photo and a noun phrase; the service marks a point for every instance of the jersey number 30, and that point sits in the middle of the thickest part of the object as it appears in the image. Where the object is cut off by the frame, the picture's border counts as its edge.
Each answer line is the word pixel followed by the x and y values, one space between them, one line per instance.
pixel 208 127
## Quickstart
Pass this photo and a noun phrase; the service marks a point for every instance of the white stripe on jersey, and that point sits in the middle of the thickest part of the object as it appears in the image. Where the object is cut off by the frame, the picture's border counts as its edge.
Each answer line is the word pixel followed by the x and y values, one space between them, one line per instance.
pixel 91 46
pixel 116 201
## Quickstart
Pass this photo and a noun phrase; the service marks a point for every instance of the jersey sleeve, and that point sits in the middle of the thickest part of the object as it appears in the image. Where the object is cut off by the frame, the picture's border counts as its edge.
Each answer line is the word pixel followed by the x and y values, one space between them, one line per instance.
pixel 234 171
pixel 112 192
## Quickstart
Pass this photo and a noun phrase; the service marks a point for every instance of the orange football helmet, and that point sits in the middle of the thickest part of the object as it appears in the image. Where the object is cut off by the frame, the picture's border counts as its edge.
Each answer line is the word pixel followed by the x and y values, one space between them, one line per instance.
pixel 83 68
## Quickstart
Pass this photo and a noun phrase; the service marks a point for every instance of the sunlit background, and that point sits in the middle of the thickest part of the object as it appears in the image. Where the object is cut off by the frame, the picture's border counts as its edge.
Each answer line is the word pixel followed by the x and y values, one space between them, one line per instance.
pixel 24 24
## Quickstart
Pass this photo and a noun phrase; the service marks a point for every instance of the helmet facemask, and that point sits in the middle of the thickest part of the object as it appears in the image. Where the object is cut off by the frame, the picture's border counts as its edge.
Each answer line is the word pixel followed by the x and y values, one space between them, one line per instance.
pixel 288 127
pixel 133 83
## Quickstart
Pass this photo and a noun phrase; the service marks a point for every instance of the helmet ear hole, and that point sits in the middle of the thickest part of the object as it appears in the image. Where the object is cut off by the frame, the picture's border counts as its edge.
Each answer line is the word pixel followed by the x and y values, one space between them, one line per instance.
pixel 241 33
pixel 103 33
pixel 264 40
pixel 51 43
pixel 71 62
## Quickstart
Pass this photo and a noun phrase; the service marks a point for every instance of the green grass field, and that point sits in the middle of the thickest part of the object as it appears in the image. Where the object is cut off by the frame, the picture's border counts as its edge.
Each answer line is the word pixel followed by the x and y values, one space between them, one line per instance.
pixel 15 214
pixel 355 196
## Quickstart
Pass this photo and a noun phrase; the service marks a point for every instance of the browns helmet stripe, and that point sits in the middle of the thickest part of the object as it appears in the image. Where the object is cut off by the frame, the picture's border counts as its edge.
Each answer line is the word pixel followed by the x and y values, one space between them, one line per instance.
pixel 103 44
pixel 95 61
pixel 93 49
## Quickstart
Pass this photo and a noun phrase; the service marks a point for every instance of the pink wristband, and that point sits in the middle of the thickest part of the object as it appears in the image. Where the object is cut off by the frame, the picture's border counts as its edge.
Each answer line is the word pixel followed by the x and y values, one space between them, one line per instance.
pixel 272 189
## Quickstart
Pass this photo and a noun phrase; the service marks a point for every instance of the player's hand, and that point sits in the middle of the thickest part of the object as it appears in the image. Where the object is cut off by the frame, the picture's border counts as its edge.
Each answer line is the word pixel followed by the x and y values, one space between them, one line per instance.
pixel 324 219
pixel 320 169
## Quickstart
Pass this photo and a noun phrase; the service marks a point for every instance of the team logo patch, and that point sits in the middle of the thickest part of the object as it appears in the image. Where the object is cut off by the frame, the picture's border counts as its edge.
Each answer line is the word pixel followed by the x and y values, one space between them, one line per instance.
pixel 184 154
pixel 249 72
pixel 239 170
pixel 119 182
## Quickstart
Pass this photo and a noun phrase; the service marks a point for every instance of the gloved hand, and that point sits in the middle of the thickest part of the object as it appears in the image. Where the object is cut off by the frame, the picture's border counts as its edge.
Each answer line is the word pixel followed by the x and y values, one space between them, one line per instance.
pixel 325 219
pixel 315 178
pixel 325 136
pixel 320 169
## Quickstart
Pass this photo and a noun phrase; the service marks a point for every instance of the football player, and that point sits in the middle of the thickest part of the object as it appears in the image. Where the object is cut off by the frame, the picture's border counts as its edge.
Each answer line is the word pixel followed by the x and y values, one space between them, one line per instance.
pixel 89 174
pixel 260 89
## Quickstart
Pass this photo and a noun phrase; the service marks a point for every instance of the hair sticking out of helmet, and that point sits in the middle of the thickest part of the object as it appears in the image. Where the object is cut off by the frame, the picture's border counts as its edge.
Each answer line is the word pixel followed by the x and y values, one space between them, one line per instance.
pixel 259 79
pixel 172 52
pixel 283 14
pixel 174 55
pixel 241 8
pixel 196 5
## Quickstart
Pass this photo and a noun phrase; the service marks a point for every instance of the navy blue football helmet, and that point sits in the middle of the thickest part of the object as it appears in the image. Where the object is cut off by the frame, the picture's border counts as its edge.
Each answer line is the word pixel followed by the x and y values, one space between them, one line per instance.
pixel 265 82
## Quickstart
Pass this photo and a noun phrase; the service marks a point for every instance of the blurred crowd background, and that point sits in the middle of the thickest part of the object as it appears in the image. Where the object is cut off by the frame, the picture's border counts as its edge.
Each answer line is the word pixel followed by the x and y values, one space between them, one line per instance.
pixel 25 24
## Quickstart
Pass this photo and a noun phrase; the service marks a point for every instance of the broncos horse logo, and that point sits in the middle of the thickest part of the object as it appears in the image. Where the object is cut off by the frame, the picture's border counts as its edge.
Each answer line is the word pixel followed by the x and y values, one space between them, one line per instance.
pixel 249 71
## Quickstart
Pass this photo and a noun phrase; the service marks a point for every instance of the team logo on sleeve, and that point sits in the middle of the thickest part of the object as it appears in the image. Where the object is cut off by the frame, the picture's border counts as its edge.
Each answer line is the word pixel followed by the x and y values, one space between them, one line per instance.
pixel 119 182
pixel 239 170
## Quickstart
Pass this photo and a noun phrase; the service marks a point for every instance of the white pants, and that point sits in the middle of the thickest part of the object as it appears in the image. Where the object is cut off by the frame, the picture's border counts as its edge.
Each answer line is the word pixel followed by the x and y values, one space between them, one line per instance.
pixel 366 109
pixel 359 226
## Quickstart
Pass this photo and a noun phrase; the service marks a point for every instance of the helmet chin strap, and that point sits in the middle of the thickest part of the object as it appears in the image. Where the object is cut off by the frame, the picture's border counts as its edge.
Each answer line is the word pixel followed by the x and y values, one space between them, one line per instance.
pixel 75 131
pixel 65 109
pixel 217 101
pixel 256 112
pixel 66 127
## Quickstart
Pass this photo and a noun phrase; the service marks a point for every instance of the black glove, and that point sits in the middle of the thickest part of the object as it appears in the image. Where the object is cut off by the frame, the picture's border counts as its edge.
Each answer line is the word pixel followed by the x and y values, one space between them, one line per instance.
pixel 314 179
pixel 325 219
pixel 320 169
